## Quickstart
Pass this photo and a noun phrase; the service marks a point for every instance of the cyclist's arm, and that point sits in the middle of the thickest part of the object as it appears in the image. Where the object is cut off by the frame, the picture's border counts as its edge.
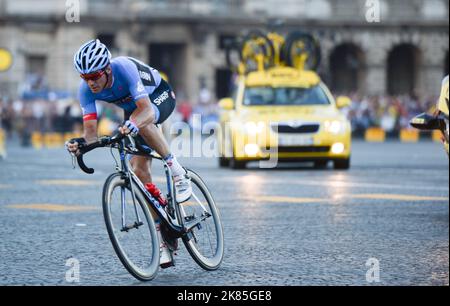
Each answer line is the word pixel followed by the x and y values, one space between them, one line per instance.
pixel 144 114
pixel 87 103
pixel 90 131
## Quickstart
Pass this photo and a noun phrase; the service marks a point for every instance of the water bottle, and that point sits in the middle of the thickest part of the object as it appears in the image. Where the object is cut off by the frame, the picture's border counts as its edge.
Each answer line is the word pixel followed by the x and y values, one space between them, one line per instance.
pixel 156 193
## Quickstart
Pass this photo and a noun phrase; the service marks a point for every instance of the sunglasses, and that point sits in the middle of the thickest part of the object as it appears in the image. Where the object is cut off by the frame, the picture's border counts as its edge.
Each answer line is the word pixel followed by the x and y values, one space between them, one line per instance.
pixel 93 76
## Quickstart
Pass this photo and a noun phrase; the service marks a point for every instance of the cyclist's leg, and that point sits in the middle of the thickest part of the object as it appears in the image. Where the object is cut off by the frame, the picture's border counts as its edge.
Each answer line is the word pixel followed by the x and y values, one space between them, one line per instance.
pixel 140 164
pixel 154 138
pixel 163 102
pixel 141 167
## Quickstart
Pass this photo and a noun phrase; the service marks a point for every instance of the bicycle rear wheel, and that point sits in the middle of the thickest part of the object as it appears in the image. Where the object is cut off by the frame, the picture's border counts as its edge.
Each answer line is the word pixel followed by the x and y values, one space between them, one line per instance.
pixel 138 246
pixel 298 43
pixel 257 43
pixel 205 242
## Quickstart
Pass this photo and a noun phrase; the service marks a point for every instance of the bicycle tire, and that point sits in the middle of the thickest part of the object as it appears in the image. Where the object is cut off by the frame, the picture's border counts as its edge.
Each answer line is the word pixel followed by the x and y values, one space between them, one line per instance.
pixel 204 262
pixel 267 48
pixel 315 53
pixel 112 182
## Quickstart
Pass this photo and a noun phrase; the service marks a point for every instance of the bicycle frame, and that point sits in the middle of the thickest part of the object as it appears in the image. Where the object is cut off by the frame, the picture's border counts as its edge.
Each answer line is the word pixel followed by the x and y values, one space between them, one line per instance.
pixel 172 217
pixel 132 180
pixel 176 224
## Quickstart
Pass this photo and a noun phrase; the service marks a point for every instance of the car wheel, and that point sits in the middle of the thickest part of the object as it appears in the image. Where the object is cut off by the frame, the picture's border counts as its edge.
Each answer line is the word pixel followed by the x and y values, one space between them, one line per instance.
pixel 237 164
pixel 320 164
pixel 224 162
pixel 342 164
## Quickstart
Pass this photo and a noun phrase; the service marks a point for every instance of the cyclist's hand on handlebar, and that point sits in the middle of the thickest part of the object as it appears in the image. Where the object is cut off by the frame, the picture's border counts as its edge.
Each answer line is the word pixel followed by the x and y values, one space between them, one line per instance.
pixel 129 127
pixel 73 145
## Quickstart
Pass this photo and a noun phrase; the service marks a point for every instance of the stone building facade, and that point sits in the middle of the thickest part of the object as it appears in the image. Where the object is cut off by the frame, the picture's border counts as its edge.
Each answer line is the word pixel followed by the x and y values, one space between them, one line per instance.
pixel 369 46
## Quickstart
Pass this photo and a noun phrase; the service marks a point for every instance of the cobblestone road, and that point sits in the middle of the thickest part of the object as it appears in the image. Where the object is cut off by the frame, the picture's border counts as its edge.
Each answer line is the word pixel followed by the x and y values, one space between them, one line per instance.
pixel 287 226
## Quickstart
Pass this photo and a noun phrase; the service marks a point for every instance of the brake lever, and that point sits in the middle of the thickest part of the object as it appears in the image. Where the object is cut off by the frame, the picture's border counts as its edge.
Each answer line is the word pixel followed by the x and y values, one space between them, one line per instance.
pixel 74 161
pixel 72 155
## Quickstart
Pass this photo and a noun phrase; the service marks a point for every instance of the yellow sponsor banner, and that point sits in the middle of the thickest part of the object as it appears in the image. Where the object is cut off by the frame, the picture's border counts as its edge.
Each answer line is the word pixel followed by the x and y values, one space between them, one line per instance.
pixel 437 136
pixel 375 135
pixel 69 136
pixel 51 140
pixel 409 135
pixel 37 140
pixel 2 144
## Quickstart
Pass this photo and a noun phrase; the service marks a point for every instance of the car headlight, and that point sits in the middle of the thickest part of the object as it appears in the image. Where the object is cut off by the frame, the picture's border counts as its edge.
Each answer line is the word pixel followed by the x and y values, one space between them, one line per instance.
pixel 338 148
pixel 334 127
pixel 251 149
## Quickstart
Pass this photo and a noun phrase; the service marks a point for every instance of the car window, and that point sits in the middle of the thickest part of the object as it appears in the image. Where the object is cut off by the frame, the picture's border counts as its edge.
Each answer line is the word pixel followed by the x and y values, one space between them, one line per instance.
pixel 285 96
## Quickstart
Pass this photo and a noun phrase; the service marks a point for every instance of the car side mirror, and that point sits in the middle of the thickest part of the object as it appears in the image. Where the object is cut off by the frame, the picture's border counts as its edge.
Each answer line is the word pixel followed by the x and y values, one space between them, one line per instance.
pixel 226 104
pixel 427 122
pixel 343 101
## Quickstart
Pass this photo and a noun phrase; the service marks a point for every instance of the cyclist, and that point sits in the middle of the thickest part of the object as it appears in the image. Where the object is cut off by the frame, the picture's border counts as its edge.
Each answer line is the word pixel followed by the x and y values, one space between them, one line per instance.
pixel 144 96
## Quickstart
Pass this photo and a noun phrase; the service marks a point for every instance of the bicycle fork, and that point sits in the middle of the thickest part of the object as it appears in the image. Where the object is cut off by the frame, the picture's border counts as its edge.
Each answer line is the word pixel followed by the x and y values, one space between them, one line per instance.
pixel 136 224
pixel 128 180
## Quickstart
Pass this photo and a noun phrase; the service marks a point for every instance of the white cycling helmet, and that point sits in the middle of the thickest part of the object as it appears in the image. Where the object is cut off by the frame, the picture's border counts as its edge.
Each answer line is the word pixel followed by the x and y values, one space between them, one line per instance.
pixel 91 57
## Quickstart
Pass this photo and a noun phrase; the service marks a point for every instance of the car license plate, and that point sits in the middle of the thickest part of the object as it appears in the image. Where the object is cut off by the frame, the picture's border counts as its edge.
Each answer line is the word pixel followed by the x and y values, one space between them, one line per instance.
pixel 295 140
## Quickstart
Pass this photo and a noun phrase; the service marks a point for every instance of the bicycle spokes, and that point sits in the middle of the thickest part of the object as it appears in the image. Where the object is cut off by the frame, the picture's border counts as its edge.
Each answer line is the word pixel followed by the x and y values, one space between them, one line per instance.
pixel 131 228
pixel 198 221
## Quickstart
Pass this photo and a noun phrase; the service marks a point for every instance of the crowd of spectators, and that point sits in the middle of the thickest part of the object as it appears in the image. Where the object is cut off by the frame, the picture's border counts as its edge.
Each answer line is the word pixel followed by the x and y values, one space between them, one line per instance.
pixel 20 118
pixel 391 113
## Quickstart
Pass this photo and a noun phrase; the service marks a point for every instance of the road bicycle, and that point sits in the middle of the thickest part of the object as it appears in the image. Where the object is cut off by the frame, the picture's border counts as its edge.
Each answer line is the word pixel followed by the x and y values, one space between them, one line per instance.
pixel 129 210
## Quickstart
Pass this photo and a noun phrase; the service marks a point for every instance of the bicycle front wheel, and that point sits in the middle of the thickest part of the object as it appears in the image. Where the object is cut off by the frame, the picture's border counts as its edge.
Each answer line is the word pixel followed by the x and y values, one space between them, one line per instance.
pixel 131 228
pixel 205 242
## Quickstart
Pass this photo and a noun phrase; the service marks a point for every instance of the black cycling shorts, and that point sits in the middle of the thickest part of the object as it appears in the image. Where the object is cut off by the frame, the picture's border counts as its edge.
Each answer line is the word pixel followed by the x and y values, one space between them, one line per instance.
pixel 164 99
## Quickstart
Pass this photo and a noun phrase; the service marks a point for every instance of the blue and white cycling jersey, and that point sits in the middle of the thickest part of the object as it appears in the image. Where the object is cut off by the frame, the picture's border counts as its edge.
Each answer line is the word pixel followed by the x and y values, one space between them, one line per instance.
pixel 132 80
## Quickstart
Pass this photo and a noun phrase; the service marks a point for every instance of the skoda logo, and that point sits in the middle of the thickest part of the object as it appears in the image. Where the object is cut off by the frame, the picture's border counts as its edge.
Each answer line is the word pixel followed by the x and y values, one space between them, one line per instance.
pixel 295 124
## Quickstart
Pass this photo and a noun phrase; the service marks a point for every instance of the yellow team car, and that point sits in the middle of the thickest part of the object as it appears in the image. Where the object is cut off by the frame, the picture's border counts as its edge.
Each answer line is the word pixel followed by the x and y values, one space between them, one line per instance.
pixel 283 113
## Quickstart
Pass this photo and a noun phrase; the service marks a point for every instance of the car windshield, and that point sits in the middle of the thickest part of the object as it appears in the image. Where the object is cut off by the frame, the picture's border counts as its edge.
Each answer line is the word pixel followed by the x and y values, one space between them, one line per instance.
pixel 285 96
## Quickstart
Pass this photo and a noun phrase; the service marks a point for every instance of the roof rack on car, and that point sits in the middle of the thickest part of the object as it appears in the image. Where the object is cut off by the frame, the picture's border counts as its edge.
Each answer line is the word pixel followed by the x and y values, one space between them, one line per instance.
pixel 258 51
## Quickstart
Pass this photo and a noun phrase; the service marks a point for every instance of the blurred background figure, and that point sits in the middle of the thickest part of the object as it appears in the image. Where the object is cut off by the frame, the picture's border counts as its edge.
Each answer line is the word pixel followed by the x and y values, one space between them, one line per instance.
pixel 206 108
pixel 185 110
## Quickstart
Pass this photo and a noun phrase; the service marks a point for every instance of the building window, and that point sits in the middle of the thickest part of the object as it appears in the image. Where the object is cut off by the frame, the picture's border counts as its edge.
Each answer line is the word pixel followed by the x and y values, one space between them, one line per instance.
pixel 403 64
pixel 225 40
pixel 36 72
pixel 224 84
pixel 347 68
pixel 108 40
